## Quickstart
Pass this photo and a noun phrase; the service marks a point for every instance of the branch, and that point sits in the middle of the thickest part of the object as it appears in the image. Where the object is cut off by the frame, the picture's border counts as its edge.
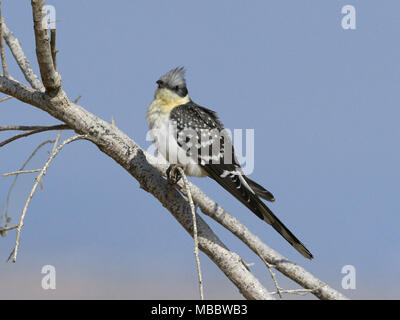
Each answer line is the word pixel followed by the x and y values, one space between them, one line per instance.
pixel 4 208
pixel 293 271
pixel 269 267
pixel 6 98
pixel 279 262
pixel 195 237
pixel 26 134
pixel 5 229
pixel 35 185
pixel 53 47
pixel 301 292
pixel 50 77
pixel 21 59
pixel 20 91
pixel 28 128
pixel 3 56
pixel 14 173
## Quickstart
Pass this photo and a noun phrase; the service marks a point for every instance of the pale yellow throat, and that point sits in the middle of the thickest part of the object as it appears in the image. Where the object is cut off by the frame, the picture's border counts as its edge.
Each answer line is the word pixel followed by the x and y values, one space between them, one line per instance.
pixel 167 99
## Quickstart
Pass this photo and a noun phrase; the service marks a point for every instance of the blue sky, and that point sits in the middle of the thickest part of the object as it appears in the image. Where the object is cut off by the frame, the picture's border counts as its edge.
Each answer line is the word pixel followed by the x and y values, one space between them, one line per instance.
pixel 323 102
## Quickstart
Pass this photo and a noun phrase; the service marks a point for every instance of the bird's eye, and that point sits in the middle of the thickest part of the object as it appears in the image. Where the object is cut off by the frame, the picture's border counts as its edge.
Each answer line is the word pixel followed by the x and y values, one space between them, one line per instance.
pixel 176 88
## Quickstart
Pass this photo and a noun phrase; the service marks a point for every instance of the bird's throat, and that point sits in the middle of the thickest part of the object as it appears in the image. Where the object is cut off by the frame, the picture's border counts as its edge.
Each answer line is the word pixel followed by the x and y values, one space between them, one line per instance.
pixel 166 100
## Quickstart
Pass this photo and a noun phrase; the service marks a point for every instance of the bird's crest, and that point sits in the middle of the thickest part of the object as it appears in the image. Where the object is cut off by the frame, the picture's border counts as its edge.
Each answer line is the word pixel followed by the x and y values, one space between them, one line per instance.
pixel 175 77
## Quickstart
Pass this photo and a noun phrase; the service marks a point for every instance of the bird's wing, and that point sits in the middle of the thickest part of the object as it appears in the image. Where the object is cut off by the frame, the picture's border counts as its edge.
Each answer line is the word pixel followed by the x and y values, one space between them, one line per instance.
pixel 215 154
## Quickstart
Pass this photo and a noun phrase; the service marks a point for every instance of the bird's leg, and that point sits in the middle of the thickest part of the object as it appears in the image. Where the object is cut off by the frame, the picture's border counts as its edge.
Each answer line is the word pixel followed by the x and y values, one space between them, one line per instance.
pixel 173 174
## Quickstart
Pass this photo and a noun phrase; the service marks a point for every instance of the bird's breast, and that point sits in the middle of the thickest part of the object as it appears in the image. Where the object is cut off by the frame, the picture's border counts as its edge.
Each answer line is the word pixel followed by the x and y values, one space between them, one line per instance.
pixel 164 136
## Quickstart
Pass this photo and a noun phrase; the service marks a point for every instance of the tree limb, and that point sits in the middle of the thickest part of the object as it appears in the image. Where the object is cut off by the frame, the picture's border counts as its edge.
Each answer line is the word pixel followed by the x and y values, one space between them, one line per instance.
pixel 26 134
pixel 21 59
pixel 35 185
pixel 50 77
pixel 196 241
pixel 2 54
pixel 28 128
pixel 279 262
pixel 6 98
pixel 4 208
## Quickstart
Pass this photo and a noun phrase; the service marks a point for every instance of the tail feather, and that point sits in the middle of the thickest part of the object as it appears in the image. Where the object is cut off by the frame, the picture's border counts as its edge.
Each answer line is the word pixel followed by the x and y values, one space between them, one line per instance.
pixel 250 198
pixel 271 219
pixel 260 190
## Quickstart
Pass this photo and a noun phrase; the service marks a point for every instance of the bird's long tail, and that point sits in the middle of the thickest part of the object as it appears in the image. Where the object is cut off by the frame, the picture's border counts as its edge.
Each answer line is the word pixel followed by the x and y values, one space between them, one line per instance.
pixel 241 188
pixel 271 218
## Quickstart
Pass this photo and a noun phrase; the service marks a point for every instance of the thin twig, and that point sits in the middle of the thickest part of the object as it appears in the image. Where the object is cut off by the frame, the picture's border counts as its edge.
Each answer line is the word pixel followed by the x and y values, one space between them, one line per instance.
pixel 53 47
pixel 2 53
pixel 56 141
pixel 52 151
pixel 20 172
pixel 5 205
pixel 301 292
pixel 6 98
pixel 26 134
pixel 28 128
pixel 279 290
pixel 77 98
pixel 38 179
pixel 4 229
pixel 269 267
pixel 196 241
pixel 21 59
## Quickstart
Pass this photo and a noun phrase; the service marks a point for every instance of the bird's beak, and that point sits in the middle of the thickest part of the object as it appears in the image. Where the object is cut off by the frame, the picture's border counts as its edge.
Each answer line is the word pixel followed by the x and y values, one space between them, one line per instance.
pixel 160 84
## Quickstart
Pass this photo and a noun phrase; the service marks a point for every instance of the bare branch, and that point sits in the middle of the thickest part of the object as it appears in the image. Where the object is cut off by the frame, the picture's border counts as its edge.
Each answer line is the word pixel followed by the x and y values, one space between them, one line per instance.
pixel 4 208
pixel 20 91
pixel 77 98
pixel 21 59
pixel 50 77
pixel 279 262
pixel 40 129
pixel 269 267
pixel 2 54
pixel 53 47
pixel 28 128
pixel 35 185
pixel 20 172
pixel 196 241
pixel 301 292
pixel 6 98
pixel 5 229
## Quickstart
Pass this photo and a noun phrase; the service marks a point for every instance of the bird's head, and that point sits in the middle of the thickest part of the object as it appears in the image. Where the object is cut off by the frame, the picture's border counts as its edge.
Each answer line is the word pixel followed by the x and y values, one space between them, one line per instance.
pixel 172 85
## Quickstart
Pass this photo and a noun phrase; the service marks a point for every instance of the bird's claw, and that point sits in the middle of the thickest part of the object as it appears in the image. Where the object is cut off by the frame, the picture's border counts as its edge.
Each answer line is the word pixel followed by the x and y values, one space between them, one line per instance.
pixel 173 174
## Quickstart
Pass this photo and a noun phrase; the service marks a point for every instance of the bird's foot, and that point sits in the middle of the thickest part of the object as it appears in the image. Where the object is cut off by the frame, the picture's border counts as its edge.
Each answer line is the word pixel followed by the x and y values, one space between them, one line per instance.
pixel 173 174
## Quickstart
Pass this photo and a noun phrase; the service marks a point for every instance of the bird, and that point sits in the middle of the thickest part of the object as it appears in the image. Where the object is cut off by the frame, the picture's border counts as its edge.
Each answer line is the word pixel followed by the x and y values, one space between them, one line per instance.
pixel 192 137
